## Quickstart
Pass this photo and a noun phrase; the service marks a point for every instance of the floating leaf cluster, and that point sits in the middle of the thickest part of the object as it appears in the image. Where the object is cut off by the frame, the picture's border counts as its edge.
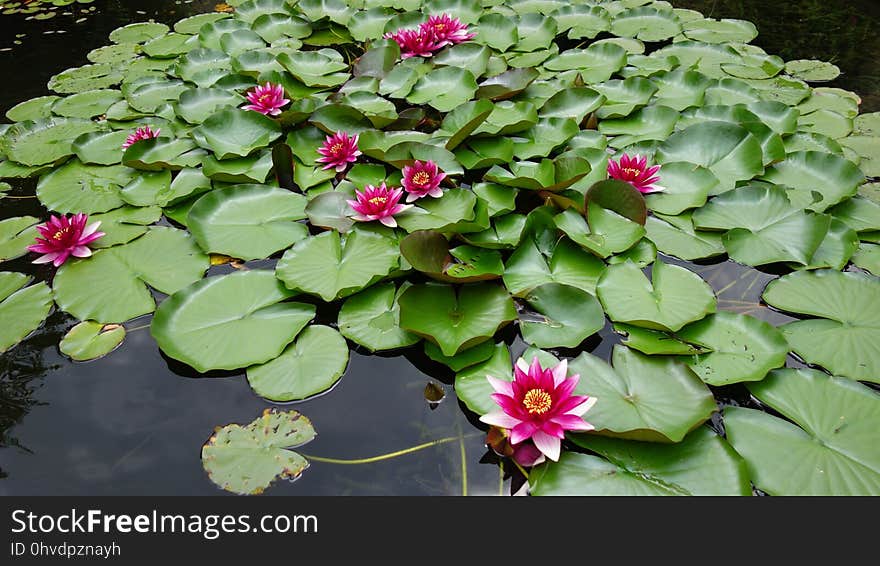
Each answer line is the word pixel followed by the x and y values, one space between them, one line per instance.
pixel 523 236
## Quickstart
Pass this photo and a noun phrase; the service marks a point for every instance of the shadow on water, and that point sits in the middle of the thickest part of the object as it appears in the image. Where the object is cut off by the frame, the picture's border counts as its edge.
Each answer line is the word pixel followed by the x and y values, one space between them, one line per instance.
pixel 134 421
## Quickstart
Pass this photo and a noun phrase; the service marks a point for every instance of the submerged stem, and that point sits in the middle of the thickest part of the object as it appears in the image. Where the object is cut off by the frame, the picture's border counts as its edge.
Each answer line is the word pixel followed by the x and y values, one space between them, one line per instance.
pixel 390 455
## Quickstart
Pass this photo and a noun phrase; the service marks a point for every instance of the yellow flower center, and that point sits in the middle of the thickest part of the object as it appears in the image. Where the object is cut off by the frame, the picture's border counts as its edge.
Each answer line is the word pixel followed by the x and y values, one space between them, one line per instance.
pixel 421 178
pixel 336 148
pixel 378 201
pixel 632 171
pixel 60 233
pixel 537 401
pixel 440 27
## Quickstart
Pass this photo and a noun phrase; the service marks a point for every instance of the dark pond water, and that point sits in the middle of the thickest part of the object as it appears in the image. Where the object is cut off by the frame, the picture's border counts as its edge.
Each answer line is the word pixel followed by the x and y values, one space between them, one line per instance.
pixel 134 422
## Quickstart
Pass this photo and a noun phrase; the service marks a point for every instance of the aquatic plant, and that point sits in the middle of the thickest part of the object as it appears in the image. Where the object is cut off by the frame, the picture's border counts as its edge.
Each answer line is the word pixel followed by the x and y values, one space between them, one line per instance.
pixel 551 126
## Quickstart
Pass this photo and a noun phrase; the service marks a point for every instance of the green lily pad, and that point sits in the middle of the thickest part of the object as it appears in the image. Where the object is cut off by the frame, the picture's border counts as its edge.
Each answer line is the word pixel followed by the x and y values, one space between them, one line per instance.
pixel 455 318
pixel 248 221
pixel 332 267
pixel 308 366
pixel 564 262
pixel 674 297
pixel 198 104
pixel 44 141
pixel 650 398
pixel 138 32
pixel 561 315
pixel 86 104
pixel 111 286
pixel 720 31
pixel 809 173
pixel 101 147
pixel 676 236
pixel 444 88
pixel 729 151
pixel 844 340
pixel 23 308
pixel 232 132
pixel 702 464
pixel 497 31
pixel 75 187
pixel 33 109
pixel 828 449
pixel 646 23
pixel 603 232
pixel 371 318
pixel 471 386
pixel 16 234
pixel 202 324
pixel 472 356
pixel 89 340
pixel 162 153
pixel 685 186
pixel 124 224
pixel 247 459
pixel 440 214
pixel 87 77
pixel 868 257
pixel 743 348
pixel 763 225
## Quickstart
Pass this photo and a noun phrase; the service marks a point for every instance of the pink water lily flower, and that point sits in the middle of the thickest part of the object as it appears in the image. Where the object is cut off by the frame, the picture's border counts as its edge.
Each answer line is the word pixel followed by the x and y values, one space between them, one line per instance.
pixel 635 171
pixel 142 133
pixel 447 30
pixel 422 178
pixel 538 405
pixel 338 151
pixel 267 99
pixel 378 203
pixel 414 42
pixel 63 237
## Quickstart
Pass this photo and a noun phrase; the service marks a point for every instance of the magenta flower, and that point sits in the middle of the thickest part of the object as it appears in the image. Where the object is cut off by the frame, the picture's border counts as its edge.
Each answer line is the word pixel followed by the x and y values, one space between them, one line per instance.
pixel 635 171
pixel 378 203
pixel 267 99
pixel 538 405
pixel 447 30
pixel 63 237
pixel 420 179
pixel 414 42
pixel 338 151
pixel 142 133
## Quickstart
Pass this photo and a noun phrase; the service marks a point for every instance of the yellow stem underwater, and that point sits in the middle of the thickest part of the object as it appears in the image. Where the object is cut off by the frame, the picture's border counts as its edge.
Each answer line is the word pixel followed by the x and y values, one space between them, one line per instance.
pixel 390 455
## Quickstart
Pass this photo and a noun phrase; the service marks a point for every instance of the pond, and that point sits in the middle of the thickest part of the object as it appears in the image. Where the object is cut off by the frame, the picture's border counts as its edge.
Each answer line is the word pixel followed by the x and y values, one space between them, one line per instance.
pixel 135 420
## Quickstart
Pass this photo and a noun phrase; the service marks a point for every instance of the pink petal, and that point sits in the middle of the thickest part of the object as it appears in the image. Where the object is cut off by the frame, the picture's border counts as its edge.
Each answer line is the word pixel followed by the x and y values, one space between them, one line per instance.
pixel 81 251
pixel 582 407
pixel 500 419
pixel 527 455
pixel 389 221
pixel 500 385
pixel 572 422
pixel 549 445
pixel 47 258
pixel 559 372
pixel 523 431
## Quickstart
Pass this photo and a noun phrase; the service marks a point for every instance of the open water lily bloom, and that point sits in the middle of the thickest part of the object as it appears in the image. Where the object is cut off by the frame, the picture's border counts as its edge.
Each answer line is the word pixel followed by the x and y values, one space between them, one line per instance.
pixel 418 42
pixel 635 171
pixel 447 30
pixel 539 405
pixel 267 99
pixel 422 179
pixel 62 237
pixel 338 151
pixel 378 203
pixel 142 133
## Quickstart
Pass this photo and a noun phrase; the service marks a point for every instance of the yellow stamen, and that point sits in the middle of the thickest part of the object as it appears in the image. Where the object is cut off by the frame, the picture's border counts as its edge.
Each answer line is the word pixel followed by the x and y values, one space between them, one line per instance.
pixel 537 401
pixel 336 148
pixel 421 178
pixel 378 200
pixel 60 233
pixel 632 171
